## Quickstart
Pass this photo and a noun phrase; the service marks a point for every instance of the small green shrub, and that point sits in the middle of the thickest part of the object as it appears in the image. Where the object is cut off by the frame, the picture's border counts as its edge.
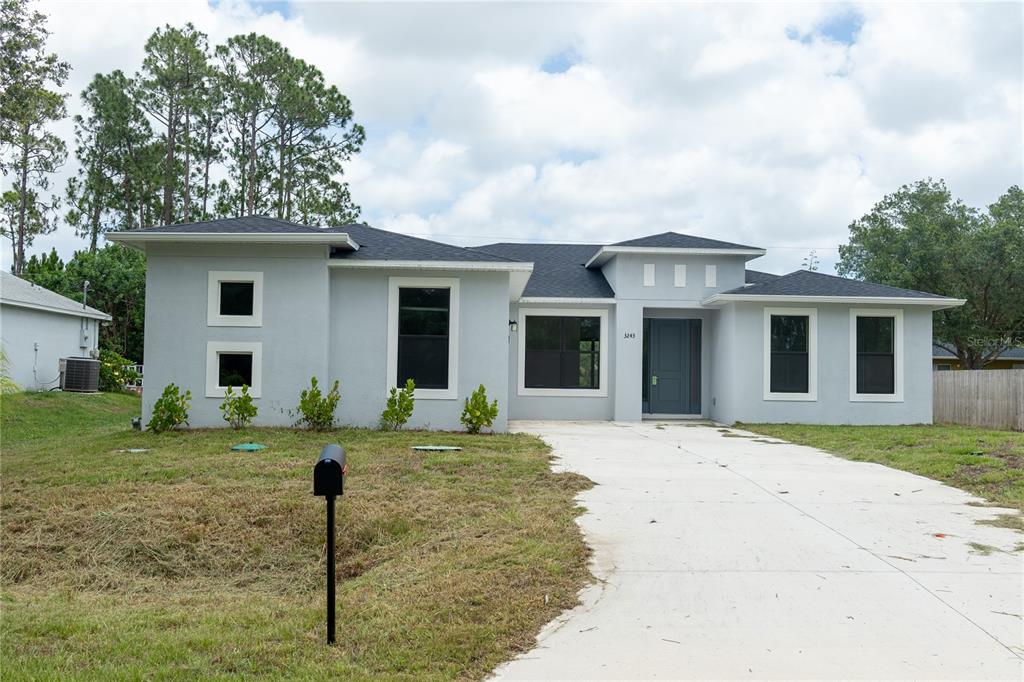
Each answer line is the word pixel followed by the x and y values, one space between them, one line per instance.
pixel 115 371
pixel 316 410
pixel 399 407
pixel 238 408
pixel 170 409
pixel 477 413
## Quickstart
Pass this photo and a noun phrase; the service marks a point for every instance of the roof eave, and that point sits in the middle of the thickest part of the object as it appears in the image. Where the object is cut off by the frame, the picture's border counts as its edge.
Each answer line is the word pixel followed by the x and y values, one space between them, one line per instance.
pixel 606 253
pixel 935 303
pixel 91 313
pixel 492 266
pixel 139 239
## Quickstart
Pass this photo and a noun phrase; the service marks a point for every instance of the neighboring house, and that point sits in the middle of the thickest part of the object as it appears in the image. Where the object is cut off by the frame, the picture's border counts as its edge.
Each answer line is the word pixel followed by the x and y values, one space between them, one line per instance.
pixel 670 325
pixel 943 360
pixel 39 327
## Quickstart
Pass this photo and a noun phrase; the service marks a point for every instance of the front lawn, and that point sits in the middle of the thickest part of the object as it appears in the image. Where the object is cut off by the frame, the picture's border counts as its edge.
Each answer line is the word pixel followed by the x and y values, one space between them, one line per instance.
pixel 985 462
pixel 190 560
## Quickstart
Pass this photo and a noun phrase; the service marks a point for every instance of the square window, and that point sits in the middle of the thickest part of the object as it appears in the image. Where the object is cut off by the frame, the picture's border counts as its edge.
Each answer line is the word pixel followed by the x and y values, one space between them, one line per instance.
pixel 234 369
pixel 562 352
pixel 236 298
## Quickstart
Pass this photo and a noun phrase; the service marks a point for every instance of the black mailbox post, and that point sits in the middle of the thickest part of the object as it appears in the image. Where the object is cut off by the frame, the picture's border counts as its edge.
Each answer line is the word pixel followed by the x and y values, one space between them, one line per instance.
pixel 329 482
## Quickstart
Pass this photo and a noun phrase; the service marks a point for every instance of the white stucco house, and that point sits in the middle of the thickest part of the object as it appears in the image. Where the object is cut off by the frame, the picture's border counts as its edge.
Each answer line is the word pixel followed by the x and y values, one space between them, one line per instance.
pixel 669 325
pixel 39 327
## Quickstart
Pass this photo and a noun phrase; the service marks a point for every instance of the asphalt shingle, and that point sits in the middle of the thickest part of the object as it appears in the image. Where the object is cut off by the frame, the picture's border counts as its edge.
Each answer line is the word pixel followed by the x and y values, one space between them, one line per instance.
pixel 807 283
pixel 17 291
pixel 674 240
pixel 558 269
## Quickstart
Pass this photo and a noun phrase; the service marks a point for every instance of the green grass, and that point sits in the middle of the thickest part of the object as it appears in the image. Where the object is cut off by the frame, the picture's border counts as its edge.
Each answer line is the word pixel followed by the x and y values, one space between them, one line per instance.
pixel 985 462
pixel 194 561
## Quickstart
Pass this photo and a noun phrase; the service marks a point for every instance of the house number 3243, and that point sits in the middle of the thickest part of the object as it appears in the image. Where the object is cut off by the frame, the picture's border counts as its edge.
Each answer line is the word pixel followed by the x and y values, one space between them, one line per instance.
pixel 629 335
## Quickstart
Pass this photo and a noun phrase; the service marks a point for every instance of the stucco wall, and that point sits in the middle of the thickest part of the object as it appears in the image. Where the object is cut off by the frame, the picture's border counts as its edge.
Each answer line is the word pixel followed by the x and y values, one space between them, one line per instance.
pixel 358 335
pixel 58 336
pixel 561 407
pixel 738 388
pixel 294 331
pixel 625 273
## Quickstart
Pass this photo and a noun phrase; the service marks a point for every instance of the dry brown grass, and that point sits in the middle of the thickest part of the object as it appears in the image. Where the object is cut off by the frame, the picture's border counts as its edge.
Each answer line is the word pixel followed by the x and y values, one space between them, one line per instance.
pixel 191 560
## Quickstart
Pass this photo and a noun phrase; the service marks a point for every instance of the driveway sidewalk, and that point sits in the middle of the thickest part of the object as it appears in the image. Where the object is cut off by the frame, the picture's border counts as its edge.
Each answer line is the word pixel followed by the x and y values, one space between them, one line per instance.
pixel 731 556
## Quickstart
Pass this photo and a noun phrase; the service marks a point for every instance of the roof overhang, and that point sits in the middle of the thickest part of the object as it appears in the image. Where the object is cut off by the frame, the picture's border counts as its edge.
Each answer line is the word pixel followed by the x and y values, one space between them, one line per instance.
pixel 138 239
pixel 565 300
pixel 606 253
pixel 519 272
pixel 934 303
pixel 91 313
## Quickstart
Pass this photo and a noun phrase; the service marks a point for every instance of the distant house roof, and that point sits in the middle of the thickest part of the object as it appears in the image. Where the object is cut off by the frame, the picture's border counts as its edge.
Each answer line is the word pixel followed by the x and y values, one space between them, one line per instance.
pixel 18 292
pixel 1009 354
pixel 817 285
pixel 558 269
pixel 758 277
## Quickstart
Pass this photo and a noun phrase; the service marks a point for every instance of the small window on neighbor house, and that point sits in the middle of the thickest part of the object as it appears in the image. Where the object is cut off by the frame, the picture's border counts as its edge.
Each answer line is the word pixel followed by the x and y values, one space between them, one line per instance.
pixel 234 369
pixel 648 274
pixel 236 298
pixel 423 328
pixel 562 352
pixel 946 367
pixel 876 355
pixel 790 359
pixel 710 276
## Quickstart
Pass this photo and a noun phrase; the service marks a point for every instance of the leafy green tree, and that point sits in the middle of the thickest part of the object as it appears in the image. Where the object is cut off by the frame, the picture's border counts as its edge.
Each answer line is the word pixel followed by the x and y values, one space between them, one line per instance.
pixel 921 238
pixel 29 102
pixel 20 228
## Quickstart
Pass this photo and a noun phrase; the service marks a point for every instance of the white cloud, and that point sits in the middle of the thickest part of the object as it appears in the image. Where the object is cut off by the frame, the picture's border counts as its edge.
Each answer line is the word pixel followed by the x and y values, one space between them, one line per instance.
pixel 746 122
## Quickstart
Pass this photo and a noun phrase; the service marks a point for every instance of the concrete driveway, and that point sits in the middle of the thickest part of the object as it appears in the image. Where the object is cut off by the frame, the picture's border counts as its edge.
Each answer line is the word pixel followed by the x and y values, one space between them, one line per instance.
pixel 730 556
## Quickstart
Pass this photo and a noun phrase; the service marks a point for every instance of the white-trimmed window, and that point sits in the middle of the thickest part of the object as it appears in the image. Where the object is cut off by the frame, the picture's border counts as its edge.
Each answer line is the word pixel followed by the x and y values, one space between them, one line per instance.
pixel 790 354
pixel 563 352
pixel 648 274
pixel 423 335
pixel 710 276
pixel 876 355
pixel 680 275
pixel 234 364
pixel 234 299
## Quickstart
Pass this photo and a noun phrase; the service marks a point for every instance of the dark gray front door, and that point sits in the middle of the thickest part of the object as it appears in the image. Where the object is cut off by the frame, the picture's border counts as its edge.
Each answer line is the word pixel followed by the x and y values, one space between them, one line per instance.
pixel 674 366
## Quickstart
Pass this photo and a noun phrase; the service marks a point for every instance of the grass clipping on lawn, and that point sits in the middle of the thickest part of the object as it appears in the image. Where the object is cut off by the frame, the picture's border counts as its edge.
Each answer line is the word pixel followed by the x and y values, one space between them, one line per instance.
pixel 192 560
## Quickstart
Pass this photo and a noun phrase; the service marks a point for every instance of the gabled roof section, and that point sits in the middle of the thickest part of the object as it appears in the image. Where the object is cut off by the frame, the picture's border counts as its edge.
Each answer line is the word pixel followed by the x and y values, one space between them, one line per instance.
pixel 382 245
pixel 673 243
pixel 758 277
pixel 807 286
pixel 254 229
pixel 18 292
pixel 675 240
pixel 559 270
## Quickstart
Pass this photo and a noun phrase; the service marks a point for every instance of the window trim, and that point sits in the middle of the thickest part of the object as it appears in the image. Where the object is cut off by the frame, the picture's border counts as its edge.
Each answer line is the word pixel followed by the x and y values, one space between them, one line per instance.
pixel 812 354
pixel 679 275
pixel 215 348
pixel 213 316
pixel 897 395
pixel 601 391
pixel 710 276
pixel 450 283
pixel 649 274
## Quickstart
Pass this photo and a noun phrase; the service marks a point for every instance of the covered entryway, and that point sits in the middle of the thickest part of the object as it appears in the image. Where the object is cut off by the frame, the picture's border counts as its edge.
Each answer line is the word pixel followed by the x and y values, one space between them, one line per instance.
pixel 672 367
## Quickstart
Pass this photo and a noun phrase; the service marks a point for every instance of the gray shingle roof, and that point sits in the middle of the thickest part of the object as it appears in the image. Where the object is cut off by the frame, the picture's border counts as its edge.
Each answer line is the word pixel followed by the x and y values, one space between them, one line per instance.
pixel 1008 354
pixel 674 240
pixel 377 244
pixel 558 269
pixel 758 277
pixel 19 292
pixel 807 283
pixel 243 224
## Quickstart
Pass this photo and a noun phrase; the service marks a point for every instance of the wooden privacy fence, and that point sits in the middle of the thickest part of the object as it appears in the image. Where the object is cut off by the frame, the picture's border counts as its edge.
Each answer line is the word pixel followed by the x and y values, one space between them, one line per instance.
pixel 979 397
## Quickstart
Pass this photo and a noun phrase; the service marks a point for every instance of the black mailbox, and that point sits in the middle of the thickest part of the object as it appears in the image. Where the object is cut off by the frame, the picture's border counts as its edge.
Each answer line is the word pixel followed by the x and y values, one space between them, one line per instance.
pixel 329 472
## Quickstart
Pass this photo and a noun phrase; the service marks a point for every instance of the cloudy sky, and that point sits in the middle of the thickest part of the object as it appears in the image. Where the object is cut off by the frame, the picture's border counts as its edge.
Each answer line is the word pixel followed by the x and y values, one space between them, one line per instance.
pixel 766 124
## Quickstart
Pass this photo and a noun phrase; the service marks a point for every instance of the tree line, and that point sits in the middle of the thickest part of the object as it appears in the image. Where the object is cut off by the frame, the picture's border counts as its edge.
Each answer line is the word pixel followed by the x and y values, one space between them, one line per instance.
pixel 197 133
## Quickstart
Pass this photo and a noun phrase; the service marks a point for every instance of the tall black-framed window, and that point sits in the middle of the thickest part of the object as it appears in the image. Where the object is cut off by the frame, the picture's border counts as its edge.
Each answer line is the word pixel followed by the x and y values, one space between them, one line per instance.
pixel 563 352
pixel 790 355
pixel 423 329
pixel 876 355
